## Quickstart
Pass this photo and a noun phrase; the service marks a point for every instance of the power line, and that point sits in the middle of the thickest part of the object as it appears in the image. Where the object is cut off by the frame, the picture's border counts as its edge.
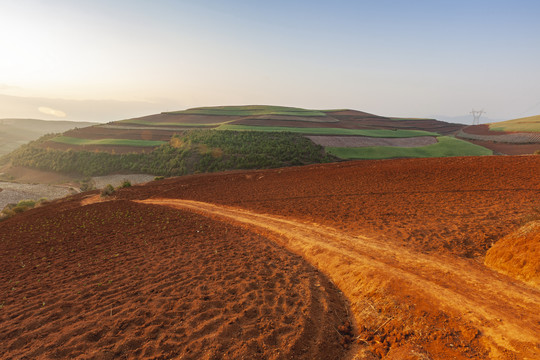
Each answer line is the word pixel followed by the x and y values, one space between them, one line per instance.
pixel 476 116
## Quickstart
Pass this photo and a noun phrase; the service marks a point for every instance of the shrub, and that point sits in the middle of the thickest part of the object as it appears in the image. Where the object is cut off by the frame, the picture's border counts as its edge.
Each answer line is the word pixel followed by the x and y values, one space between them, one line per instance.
pixel 125 184
pixel 26 203
pixel 87 185
pixel 537 152
pixel 159 178
pixel 19 209
pixel 107 190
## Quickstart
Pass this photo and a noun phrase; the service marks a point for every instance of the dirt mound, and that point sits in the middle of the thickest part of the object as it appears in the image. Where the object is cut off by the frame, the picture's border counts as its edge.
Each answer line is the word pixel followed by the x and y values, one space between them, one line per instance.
pixel 518 254
pixel 123 280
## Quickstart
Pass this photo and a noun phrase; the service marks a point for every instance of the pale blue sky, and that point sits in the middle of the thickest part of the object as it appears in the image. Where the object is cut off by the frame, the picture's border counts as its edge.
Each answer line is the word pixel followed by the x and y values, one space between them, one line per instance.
pixel 394 58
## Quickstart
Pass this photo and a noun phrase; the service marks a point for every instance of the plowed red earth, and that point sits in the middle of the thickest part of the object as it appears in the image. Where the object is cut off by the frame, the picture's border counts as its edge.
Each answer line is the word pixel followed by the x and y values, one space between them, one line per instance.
pixel 417 279
pixel 117 280
pixel 404 240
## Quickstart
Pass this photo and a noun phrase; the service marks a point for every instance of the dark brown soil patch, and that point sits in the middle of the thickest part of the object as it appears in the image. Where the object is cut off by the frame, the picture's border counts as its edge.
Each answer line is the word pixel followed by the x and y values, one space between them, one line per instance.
pixel 507 148
pixel 113 149
pixel 99 132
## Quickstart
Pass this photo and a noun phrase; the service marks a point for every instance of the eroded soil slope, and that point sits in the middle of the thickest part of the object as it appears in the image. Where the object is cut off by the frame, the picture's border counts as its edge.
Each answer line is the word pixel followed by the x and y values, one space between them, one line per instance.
pixel 123 280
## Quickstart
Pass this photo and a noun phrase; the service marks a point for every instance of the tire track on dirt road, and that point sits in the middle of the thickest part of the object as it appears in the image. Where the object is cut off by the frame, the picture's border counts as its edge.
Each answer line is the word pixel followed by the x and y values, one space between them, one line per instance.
pixel 506 312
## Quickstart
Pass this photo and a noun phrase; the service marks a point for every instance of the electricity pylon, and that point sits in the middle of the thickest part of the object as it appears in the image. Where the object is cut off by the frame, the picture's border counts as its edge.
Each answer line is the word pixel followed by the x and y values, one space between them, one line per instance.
pixel 476 116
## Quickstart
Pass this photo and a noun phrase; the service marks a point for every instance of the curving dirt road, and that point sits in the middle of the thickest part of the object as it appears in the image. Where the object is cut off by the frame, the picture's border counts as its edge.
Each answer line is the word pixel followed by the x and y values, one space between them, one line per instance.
pixel 505 312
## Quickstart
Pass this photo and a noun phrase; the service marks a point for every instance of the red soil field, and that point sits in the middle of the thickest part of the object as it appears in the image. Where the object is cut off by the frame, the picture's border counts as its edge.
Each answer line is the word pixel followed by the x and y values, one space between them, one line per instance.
pixel 404 240
pixel 351 119
pixel 113 149
pixel 457 205
pixel 447 212
pixel 98 132
pixel 506 148
pixel 124 280
pixel 498 145
pixel 482 129
pixel 182 119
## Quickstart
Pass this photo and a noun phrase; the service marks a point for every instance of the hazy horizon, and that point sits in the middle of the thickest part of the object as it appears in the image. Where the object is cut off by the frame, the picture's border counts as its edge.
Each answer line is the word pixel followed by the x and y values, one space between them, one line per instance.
pixel 103 61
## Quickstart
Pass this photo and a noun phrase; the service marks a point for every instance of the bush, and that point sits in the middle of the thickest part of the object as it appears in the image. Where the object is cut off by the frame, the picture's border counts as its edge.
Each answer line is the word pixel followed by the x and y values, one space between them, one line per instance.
pixel 125 184
pixel 87 184
pixel 19 209
pixel 107 190
pixel 537 152
pixel 159 178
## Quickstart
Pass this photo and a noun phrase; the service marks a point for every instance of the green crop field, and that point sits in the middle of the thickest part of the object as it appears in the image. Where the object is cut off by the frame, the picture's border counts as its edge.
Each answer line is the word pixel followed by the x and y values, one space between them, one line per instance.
pixel 446 146
pixel 331 131
pixel 116 142
pixel 526 124
pixel 168 124
pixel 250 110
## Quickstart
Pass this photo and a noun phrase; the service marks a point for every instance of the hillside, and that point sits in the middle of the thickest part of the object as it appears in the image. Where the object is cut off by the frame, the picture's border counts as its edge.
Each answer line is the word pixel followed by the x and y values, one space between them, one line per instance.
pixel 16 132
pixel 199 140
pixel 255 264
pixel 513 137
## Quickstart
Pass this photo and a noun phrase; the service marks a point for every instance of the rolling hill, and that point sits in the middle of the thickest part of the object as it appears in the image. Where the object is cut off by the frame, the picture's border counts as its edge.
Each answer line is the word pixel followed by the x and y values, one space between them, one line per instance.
pixel 16 132
pixel 238 137
pixel 512 137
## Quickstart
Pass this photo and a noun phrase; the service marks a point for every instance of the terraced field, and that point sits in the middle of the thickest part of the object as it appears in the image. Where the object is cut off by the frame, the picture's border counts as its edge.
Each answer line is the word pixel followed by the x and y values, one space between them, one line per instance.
pixel 513 137
pixel 152 137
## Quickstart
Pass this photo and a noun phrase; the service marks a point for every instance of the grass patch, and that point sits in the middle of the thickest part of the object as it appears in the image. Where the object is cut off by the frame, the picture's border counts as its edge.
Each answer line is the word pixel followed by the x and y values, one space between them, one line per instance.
pixel 173 124
pixel 331 131
pixel 249 110
pixel 116 142
pixel 526 124
pixel 446 146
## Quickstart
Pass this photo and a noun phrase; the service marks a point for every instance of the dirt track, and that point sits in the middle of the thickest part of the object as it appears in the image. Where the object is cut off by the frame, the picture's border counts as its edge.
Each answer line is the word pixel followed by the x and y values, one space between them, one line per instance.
pixel 505 312
pixel 404 240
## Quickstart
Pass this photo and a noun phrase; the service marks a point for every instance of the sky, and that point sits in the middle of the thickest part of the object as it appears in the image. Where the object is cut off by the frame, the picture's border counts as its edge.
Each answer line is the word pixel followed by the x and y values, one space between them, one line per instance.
pixel 105 60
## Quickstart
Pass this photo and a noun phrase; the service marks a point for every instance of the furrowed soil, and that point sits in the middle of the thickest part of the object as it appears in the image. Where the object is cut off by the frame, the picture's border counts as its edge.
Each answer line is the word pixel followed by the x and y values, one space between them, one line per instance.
pixel 404 241
pixel 117 279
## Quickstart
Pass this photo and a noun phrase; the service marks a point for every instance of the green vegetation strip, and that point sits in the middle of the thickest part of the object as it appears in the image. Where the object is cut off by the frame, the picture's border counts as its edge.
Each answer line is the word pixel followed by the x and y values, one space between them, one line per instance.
pixel 169 124
pixel 116 142
pixel 331 131
pixel 446 146
pixel 250 110
pixel 190 152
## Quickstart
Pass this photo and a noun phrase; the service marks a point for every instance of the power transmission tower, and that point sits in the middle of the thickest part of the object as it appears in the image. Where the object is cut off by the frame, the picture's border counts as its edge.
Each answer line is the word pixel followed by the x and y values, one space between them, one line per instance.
pixel 476 116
